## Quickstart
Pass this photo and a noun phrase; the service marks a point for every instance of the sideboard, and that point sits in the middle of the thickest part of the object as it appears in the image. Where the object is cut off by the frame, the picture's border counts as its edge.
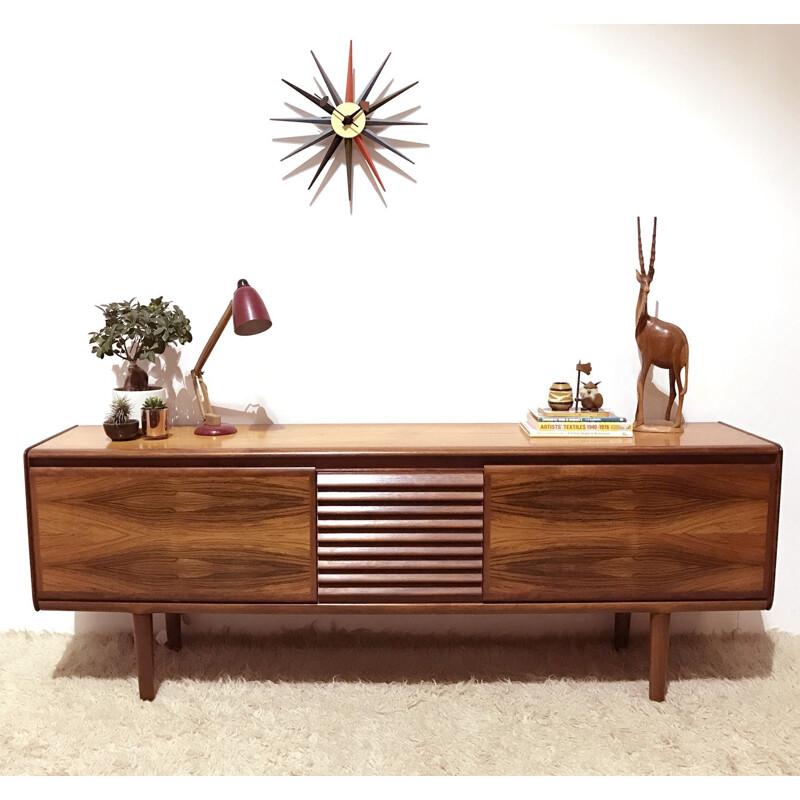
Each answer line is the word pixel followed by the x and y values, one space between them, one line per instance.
pixel 439 518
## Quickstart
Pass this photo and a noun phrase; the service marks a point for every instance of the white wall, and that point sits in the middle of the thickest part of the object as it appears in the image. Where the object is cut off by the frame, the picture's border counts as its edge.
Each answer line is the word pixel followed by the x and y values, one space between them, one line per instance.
pixel 137 158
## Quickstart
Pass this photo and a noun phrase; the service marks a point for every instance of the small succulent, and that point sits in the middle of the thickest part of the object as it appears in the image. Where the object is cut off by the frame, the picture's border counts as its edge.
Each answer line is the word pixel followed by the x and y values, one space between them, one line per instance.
pixel 120 412
pixel 153 403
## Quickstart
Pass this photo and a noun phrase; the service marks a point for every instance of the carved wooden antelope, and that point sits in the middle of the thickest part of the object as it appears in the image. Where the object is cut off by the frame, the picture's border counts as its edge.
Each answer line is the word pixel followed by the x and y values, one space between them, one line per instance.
pixel 661 344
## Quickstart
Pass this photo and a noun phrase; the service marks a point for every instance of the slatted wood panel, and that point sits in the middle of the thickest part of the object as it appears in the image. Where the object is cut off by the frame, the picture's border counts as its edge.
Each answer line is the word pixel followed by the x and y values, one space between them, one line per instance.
pixel 400 536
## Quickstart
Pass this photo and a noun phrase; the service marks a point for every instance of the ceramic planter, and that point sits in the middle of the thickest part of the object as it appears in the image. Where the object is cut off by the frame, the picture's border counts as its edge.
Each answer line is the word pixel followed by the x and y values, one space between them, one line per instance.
pixel 122 431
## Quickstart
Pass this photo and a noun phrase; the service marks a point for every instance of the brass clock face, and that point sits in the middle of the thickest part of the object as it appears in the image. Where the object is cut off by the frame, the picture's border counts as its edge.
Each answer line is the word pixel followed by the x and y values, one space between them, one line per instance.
pixel 348 120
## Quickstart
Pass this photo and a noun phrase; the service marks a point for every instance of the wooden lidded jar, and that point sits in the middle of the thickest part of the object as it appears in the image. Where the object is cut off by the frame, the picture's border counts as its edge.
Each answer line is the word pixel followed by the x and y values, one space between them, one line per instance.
pixel 560 397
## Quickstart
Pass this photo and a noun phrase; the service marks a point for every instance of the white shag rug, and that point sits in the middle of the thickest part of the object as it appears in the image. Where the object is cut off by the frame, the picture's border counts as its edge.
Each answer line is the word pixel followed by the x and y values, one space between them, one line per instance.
pixel 345 703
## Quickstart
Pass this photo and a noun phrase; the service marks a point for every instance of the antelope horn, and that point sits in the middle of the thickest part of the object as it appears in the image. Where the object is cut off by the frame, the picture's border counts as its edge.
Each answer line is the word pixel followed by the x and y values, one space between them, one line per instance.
pixel 641 255
pixel 651 272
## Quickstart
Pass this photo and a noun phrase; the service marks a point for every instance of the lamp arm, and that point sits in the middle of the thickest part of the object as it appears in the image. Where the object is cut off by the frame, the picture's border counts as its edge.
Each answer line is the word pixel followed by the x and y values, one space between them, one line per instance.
pixel 201 393
pixel 197 373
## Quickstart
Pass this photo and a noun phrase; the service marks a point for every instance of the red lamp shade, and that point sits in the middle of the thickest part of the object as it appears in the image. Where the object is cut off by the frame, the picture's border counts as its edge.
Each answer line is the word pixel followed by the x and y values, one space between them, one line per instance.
pixel 250 315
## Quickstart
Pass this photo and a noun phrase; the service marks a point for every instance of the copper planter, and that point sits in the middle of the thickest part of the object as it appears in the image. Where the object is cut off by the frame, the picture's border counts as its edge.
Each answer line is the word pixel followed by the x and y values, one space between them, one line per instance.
pixel 155 423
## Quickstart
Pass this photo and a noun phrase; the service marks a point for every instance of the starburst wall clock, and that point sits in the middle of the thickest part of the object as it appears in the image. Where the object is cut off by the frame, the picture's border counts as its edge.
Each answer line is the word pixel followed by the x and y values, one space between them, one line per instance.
pixel 349 121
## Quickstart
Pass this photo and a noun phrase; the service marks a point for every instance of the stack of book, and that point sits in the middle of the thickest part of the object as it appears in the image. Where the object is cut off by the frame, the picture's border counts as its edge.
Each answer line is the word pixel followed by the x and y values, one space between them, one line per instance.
pixel 544 422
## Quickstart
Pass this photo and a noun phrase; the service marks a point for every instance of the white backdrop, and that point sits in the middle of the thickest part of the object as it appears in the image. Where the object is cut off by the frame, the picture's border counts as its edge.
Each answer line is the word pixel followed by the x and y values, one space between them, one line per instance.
pixel 137 158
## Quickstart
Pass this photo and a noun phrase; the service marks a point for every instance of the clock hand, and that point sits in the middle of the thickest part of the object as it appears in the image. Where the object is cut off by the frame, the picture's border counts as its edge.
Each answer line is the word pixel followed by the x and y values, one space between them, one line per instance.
pixel 350 118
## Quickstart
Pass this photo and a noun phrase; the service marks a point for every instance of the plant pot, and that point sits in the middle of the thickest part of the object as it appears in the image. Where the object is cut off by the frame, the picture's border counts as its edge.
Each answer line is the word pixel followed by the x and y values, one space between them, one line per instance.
pixel 136 399
pixel 155 423
pixel 120 432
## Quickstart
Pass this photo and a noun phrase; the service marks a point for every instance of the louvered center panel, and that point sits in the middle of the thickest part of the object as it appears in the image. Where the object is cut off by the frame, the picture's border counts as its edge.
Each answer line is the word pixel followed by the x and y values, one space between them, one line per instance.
pixel 386 537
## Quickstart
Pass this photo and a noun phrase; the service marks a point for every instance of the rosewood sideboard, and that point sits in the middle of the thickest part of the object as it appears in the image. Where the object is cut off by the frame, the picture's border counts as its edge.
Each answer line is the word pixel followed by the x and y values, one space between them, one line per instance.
pixel 455 518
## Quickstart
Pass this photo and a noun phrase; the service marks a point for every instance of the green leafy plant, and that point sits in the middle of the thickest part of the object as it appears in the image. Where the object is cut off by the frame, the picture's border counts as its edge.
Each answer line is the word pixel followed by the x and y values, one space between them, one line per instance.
pixel 120 412
pixel 135 332
pixel 153 403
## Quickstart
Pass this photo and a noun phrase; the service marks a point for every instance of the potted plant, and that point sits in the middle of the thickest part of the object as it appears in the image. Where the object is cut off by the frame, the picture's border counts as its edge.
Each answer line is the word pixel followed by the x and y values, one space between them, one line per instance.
pixel 136 333
pixel 118 423
pixel 155 424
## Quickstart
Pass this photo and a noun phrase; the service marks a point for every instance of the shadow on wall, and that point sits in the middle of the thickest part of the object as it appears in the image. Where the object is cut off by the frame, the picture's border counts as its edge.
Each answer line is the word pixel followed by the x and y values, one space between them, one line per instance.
pixel 655 402
pixel 168 374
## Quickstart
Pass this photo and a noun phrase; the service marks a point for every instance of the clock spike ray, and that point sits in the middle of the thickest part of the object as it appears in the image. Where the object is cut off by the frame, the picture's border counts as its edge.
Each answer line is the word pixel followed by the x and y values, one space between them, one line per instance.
pixel 384 143
pixel 316 120
pixel 376 106
pixel 348 156
pixel 364 152
pixel 374 78
pixel 394 122
pixel 319 139
pixel 349 91
pixel 322 102
pixel 350 120
pixel 334 94
pixel 326 158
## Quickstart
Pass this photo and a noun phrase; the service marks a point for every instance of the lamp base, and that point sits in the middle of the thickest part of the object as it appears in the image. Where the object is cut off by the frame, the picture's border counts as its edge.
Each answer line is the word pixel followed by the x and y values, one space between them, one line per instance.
pixel 220 429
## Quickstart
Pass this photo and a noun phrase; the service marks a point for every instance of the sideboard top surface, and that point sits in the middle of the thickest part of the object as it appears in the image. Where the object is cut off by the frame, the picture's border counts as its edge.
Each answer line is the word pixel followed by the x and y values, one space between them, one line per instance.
pixel 495 440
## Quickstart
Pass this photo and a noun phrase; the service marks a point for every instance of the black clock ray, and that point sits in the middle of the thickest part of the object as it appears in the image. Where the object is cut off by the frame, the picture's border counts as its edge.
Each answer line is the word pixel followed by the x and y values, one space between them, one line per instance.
pixel 349 121
pixel 317 140
pixel 383 143
pixel 334 94
pixel 376 106
pixel 368 88
pixel 348 157
pixel 325 159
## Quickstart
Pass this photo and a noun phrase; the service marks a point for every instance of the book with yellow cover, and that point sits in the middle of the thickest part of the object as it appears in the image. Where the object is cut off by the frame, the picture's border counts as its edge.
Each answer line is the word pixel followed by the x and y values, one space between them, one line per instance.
pixel 620 429
pixel 549 414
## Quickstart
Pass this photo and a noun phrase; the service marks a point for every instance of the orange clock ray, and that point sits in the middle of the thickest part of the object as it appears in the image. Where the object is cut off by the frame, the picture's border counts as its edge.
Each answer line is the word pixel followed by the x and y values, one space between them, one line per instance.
pixel 349 121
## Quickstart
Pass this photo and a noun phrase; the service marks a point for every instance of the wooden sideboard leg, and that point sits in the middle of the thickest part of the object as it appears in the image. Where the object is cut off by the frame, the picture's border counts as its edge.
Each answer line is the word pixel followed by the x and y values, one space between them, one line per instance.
pixel 143 639
pixel 173 631
pixel 659 652
pixel 622 630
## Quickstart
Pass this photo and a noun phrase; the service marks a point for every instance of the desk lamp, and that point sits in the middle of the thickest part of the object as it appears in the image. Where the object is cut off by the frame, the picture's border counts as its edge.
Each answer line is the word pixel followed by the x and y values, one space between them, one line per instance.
pixel 249 316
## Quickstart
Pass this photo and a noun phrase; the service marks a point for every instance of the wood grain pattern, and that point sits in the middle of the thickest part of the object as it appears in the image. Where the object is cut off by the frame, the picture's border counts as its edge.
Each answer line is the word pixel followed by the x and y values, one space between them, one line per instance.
pixel 655 523
pixel 165 534
pixel 439 606
pixel 628 533
pixel 313 443
pixel 659 655
pixel 143 642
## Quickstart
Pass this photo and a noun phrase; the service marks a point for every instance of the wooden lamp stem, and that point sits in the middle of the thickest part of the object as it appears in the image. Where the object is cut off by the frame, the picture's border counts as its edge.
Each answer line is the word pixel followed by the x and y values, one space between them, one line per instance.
pixel 209 417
